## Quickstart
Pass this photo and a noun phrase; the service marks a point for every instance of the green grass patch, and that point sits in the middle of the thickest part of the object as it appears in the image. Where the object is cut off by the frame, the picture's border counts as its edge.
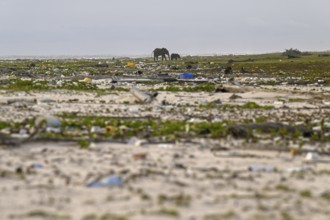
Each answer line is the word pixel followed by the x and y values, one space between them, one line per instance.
pixel 205 87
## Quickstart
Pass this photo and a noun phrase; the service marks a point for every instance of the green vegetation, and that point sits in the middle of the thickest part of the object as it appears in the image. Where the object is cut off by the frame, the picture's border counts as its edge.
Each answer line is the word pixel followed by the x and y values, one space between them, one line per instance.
pixel 286 216
pixel 311 67
pixel 43 85
pixel 110 216
pixel 227 215
pixel 306 194
pixel 253 105
pixel 283 187
pixel 292 53
pixel 90 217
pixel 326 196
pixel 85 129
pixel 178 200
pixel 41 214
pixel 152 128
pixel 248 105
pixel 83 143
pixel 168 212
pixel 205 87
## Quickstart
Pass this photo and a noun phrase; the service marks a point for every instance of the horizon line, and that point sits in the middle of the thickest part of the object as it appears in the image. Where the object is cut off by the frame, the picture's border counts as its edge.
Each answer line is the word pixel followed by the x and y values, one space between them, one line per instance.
pixel 94 56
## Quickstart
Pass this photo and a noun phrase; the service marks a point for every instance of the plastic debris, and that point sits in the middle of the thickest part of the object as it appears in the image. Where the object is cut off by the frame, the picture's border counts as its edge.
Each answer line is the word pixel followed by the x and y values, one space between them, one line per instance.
pixel 143 96
pixel 186 75
pixel 261 168
pixel 136 142
pixel 278 104
pixel 226 153
pixel 166 146
pixel 130 64
pixel 299 169
pixel 96 129
pixel 23 131
pixel 37 165
pixel 54 130
pixel 48 121
pixel 86 80
pixel 140 156
pixel 107 182
pixel 134 109
pixel 110 129
pixel 311 156
pixel 327 124
pixel 295 152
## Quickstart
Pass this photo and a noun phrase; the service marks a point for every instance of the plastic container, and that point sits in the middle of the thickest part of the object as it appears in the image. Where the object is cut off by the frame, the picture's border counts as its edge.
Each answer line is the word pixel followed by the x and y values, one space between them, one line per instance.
pixel 261 168
pixel 107 182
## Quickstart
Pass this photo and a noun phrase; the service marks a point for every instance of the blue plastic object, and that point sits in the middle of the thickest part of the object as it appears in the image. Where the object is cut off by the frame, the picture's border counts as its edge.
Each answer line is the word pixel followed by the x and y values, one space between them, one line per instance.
pixel 37 165
pixel 186 75
pixel 107 181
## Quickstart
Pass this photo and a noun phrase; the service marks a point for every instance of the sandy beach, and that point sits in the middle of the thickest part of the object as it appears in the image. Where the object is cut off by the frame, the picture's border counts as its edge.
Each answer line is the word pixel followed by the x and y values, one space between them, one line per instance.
pixel 200 178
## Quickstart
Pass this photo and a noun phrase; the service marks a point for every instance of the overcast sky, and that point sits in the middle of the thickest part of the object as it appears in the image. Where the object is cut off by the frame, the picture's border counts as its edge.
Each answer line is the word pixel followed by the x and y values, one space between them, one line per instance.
pixel 136 27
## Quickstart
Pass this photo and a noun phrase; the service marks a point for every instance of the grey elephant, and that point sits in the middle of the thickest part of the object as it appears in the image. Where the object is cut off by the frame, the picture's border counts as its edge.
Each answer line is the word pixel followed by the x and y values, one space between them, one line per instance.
pixel 175 56
pixel 161 52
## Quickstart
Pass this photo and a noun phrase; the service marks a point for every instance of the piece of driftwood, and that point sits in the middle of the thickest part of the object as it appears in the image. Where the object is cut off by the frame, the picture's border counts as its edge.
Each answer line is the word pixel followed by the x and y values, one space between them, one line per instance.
pixel 20 100
pixel 142 96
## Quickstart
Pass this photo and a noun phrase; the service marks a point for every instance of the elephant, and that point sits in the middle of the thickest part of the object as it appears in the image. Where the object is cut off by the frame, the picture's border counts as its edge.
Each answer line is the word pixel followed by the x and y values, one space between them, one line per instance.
pixel 161 52
pixel 175 56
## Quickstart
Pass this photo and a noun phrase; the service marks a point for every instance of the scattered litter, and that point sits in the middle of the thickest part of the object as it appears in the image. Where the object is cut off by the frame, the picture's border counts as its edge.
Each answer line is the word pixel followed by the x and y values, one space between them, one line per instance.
pixel 165 146
pixel 299 169
pixel 278 104
pixel 136 142
pixel 223 152
pixel 48 122
pixel 295 152
pixel 37 165
pixel 140 156
pixel 196 120
pixel 134 109
pixel 326 124
pixel 261 168
pixel 60 82
pixel 86 80
pixel 130 64
pixel 23 131
pixel 96 129
pixel 143 97
pixel 186 75
pixel 107 182
pixel 110 129
pixel 311 157
pixel 53 130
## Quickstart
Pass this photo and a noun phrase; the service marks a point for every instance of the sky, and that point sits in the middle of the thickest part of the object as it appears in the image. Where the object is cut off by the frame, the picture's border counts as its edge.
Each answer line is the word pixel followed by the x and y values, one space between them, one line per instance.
pixel 137 27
